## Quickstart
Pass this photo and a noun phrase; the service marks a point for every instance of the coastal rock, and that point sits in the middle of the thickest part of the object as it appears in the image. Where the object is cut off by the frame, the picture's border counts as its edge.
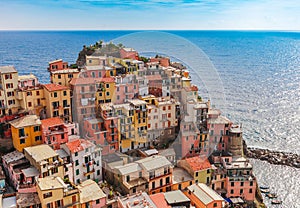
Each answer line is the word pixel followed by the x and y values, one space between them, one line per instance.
pixel 273 157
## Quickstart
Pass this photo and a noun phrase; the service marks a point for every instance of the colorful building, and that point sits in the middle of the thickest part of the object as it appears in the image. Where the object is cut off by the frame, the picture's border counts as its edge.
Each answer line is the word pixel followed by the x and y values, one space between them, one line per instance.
pixel 54 132
pixel 128 53
pixel 140 121
pixel 90 195
pixel 57 65
pixel 125 114
pixel 54 192
pixel 105 90
pixel 30 95
pixel 58 101
pixel 45 160
pixel 203 196
pixel 109 122
pixel 199 167
pixel 63 76
pixel 86 160
pixel 8 85
pixel 26 132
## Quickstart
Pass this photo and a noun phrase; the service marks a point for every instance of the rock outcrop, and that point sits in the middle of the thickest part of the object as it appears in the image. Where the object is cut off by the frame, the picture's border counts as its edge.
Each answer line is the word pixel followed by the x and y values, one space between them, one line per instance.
pixel 273 157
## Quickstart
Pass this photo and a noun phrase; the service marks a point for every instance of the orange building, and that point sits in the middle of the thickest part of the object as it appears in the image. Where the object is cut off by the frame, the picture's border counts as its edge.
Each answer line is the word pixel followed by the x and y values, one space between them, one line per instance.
pixel 202 196
pixel 26 132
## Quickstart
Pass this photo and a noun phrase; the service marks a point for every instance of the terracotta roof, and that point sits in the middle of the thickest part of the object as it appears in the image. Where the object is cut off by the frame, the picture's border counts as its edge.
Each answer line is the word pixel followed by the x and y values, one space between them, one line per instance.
pixel 55 87
pixel 159 200
pixel 197 163
pixel 50 122
pixel 86 81
pixel 78 145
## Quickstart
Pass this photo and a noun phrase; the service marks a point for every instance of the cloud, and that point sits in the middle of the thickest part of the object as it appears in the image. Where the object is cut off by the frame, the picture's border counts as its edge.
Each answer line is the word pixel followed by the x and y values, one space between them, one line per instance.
pixel 150 14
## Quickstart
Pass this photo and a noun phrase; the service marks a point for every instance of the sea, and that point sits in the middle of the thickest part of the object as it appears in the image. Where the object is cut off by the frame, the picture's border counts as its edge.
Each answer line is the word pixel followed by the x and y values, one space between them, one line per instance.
pixel 257 73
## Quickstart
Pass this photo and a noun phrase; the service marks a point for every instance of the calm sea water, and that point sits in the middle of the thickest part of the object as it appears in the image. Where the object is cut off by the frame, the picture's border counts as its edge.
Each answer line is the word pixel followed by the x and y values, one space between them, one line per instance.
pixel 260 72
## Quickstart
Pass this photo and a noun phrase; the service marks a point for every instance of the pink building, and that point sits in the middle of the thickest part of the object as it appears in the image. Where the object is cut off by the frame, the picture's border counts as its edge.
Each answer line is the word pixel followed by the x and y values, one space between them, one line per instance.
pixel 27 81
pixel 240 181
pixel 189 137
pixel 219 129
pixel 129 53
pixel 54 132
pixel 95 132
pixel 21 174
pixel 126 88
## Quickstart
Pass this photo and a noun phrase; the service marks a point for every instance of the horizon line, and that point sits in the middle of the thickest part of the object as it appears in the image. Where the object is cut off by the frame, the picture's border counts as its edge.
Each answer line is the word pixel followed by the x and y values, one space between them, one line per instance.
pixel 129 30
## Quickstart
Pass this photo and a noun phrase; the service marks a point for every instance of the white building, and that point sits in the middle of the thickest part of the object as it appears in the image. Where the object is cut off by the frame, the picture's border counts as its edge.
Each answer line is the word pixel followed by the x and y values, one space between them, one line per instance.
pixel 86 159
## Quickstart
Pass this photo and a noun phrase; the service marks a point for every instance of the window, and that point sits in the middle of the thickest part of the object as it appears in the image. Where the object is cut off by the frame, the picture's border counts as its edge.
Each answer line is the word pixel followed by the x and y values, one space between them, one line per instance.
pixel 251 183
pixel 21 132
pixel 196 174
pixel 55 94
pixel 232 183
pixel 140 174
pixel 77 172
pixel 215 205
pixel 242 183
pixel 208 171
pixel 36 128
pixel 98 172
pixel 231 191
pixel 47 195
pixel 98 201
pixel 241 191
pixel 22 141
pixel 107 93
pixel 38 138
pixel 153 185
pixel 128 178
pixel 76 162
pixel 65 93
pixel 250 191
pixel 76 154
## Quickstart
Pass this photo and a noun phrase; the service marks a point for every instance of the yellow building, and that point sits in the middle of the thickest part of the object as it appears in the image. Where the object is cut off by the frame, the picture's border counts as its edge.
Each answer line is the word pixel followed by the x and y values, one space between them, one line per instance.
pixel 26 132
pixel 140 121
pixel 54 192
pixel 45 160
pixel 30 95
pixel 105 90
pixel 58 101
pixel 199 167
pixel 63 77
pixel 126 133
pixel 8 85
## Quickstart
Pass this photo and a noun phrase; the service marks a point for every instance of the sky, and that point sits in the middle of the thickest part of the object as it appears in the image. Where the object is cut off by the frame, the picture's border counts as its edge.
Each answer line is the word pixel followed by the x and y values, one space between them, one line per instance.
pixel 150 15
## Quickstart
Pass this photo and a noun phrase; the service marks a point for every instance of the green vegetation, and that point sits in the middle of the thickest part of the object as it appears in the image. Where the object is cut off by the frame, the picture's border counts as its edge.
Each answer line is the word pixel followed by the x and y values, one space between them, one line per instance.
pixel 144 59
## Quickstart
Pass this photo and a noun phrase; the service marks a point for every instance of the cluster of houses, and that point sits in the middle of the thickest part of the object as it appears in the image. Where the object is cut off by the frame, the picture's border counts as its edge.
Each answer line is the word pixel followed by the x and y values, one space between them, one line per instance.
pixel 118 132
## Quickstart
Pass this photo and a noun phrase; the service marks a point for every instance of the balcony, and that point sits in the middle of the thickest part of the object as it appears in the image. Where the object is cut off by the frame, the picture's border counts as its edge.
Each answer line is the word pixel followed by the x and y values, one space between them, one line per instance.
pixel 88 173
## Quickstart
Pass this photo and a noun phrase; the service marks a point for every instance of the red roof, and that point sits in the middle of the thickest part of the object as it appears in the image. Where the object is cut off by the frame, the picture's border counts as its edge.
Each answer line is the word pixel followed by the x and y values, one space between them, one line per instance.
pixel 86 81
pixel 78 145
pixel 55 87
pixel 159 200
pixel 198 163
pixel 50 122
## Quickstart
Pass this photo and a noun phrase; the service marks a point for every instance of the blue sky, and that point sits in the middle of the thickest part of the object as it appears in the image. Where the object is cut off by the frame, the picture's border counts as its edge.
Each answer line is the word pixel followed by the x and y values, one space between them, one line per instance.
pixel 149 14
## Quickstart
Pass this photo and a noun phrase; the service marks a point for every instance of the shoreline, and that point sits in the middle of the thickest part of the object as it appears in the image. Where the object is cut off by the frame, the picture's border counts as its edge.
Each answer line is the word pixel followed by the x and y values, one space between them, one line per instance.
pixel 273 157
